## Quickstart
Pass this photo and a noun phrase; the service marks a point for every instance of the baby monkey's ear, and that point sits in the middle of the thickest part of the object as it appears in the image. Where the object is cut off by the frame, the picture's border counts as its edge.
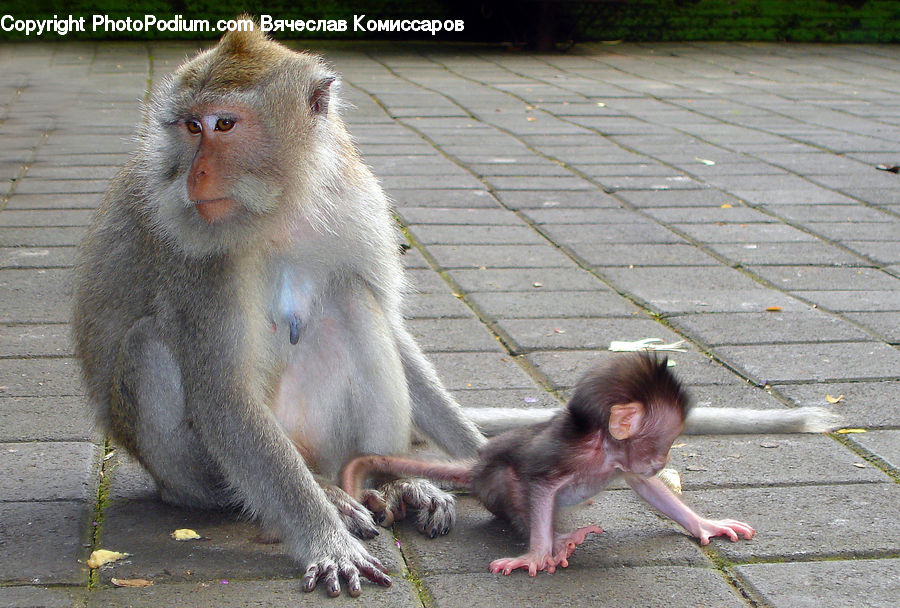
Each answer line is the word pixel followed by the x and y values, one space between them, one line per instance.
pixel 625 419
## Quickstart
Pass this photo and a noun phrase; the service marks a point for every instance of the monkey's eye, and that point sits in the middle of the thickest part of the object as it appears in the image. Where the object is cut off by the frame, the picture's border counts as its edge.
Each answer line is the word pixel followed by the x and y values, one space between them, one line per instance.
pixel 224 124
pixel 193 126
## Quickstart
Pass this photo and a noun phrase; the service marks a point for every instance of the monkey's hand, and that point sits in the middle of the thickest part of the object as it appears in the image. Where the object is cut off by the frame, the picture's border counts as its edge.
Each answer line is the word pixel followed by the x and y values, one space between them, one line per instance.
pixel 707 528
pixel 355 516
pixel 534 562
pixel 436 509
pixel 343 557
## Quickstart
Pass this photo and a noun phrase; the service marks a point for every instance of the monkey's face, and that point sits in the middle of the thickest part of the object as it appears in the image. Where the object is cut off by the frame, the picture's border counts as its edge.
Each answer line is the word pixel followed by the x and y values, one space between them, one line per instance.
pixel 229 158
pixel 648 450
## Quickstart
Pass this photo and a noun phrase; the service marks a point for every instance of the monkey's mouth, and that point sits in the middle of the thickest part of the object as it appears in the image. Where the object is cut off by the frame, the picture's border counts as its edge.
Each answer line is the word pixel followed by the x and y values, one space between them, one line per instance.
pixel 215 210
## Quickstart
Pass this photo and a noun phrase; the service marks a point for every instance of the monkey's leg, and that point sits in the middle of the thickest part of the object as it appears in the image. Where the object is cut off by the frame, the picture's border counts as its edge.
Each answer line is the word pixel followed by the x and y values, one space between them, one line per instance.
pixel 149 408
pixel 436 509
pixel 564 544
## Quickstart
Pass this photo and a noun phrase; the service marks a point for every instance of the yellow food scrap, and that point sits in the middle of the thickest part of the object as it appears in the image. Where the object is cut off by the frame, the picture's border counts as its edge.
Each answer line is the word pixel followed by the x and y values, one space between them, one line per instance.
pixel 130 582
pixel 831 399
pixel 773 308
pixel 671 478
pixel 185 534
pixel 103 556
pixel 848 431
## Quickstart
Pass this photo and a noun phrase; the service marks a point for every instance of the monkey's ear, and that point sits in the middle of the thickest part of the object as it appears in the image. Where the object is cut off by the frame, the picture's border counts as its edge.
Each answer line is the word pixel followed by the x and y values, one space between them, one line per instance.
pixel 625 419
pixel 321 95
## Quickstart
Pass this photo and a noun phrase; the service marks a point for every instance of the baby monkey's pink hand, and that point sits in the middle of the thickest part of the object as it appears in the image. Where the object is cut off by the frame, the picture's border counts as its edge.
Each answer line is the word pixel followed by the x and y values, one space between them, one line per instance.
pixel 707 528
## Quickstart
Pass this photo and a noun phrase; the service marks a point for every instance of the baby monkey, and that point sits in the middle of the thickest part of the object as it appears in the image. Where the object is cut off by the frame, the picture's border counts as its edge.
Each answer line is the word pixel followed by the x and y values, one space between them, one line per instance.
pixel 621 421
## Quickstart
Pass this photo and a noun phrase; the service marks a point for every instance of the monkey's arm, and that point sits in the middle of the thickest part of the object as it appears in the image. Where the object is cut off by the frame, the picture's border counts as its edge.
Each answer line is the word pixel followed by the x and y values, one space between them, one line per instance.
pixel 434 410
pixel 260 463
pixel 655 492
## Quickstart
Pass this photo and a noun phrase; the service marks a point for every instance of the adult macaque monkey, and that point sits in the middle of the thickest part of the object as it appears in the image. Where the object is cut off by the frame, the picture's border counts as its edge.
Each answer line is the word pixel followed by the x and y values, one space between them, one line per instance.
pixel 621 421
pixel 237 311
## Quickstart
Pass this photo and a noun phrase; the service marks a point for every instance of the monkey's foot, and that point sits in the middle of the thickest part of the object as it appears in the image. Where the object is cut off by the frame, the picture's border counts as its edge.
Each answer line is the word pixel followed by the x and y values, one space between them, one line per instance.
pixel 564 544
pixel 357 519
pixel 533 562
pixel 436 509
pixel 347 563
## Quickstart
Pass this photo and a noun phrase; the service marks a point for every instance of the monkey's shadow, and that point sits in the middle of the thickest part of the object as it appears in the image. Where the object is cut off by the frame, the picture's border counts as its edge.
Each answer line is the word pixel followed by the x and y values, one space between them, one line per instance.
pixel 136 521
pixel 634 535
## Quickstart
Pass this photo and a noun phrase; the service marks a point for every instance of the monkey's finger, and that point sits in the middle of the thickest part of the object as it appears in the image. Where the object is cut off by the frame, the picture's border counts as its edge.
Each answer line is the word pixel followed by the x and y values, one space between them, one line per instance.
pixel 351 575
pixel 309 579
pixel 375 572
pixel 332 583
pixel 295 330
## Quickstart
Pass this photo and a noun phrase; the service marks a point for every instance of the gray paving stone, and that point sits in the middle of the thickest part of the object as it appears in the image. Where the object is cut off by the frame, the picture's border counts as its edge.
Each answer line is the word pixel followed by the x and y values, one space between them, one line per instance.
pixel 814 362
pixel 42 218
pixel 36 296
pixel 44 542
pixel 532 280
pixel 40 237
pixel 790 254
pixel 435 306
pixel 40 597
pixel 552 304
pixel 143 527
pixel 54 201
pixel 250 593
pixel 798 278
pixel 35 340
pixel 838 214
pixel 48 471
pixel 612 587
pixel 448 335
pixel 744 233
pixel 855 301
pixel 768 327
pixel 885 324
pixel 707 216
pixel 884 444
pixel 563 368
pixel 640 254
pixel 479 370
pixel 477 216
pixel 578 235
pixel 473 235
pixel 39 378
pixel 828 584
pixel 804 522
pixel 592 334
pixel 51 257
pixel 677 198
pixel 766 460
pixel 534 397
pixel 864 404
pixel 46 419
pixel 499 256
pixel 545 199
pixel 883 252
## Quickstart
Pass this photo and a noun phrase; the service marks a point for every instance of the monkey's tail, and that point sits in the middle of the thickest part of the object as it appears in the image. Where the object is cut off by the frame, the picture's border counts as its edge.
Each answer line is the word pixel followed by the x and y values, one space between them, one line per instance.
pixel 724 420
pixel 495 420
pixel 358 469
pixel 700 420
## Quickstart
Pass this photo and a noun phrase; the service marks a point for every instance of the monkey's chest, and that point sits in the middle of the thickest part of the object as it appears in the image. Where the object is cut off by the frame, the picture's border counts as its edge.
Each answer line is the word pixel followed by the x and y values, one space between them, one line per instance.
pixel 580 489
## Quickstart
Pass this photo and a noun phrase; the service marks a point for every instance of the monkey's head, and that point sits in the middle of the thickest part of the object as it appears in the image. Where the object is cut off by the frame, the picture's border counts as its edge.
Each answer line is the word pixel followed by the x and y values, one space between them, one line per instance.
pixel 636 404
pixel 239 142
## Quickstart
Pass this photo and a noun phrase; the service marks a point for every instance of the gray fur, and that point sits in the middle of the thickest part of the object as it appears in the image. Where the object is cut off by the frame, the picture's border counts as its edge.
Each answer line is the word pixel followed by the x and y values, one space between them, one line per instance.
pixel 700 420
pixel 232 357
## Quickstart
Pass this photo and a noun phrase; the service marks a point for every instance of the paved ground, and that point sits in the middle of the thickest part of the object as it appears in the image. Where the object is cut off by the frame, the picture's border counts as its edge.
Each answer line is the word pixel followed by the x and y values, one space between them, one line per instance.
pixel 555 203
